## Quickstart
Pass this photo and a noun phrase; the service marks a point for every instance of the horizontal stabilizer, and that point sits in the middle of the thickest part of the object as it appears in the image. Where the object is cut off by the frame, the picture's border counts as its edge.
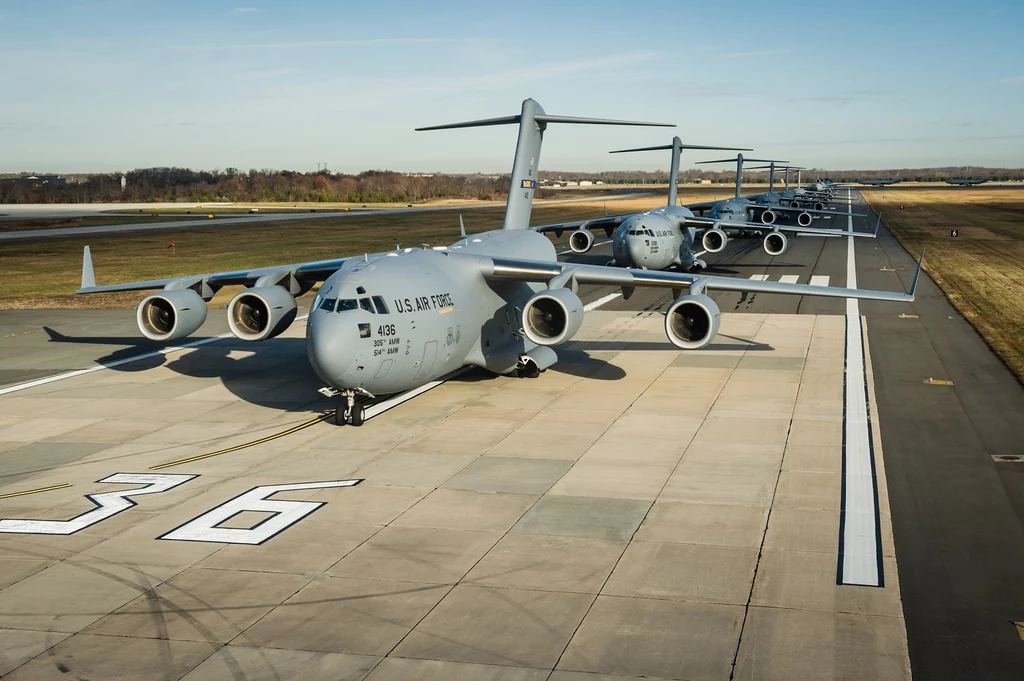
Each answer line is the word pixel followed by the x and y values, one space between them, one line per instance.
pixel 745 160
pixel 681 146
pixel 542 118
pixel 504 120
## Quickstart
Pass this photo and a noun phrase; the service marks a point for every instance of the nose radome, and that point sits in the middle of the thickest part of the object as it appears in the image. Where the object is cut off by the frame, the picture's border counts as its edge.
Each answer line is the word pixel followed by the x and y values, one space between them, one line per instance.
pixel 331 345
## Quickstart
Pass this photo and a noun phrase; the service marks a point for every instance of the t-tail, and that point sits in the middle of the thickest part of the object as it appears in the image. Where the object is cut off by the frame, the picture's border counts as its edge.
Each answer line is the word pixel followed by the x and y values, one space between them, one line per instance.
pixel 533 121
pixel 739 167
pixel 677 147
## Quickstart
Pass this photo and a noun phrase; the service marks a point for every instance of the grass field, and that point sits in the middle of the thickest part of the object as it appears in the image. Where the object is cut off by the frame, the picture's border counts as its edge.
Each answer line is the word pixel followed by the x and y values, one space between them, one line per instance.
pixel 45 273
pixel 981 270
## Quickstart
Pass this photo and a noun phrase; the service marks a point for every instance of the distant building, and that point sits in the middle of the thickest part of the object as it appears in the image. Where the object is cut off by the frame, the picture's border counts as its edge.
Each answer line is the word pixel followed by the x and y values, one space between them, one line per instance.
pixel 586 183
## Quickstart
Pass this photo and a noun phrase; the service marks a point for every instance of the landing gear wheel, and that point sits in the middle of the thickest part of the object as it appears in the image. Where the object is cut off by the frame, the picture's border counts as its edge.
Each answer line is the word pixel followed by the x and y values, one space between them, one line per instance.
pixel 358 415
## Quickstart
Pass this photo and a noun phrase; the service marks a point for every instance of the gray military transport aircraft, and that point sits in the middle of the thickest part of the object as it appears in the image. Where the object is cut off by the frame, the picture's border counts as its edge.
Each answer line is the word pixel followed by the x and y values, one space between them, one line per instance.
pixel 391 322
pixel 663 238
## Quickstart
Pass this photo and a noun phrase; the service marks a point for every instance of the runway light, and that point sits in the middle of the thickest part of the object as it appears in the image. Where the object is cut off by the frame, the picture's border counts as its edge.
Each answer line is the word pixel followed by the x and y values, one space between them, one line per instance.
pixel 938 381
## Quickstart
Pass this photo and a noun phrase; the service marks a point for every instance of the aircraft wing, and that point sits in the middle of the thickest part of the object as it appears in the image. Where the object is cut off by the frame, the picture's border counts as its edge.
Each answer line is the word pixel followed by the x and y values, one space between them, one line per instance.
pixel 207 284
pixel 606 222
pixel 794 209
pixel 562 274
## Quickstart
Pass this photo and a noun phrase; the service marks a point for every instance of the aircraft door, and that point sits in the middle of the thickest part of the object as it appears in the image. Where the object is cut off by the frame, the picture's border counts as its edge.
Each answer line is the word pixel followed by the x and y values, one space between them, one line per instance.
pixel 427 362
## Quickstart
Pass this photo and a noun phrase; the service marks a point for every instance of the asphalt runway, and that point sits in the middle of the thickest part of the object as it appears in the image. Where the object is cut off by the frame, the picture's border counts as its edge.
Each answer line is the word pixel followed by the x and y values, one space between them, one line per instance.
pixel 635 511
pixel 36 211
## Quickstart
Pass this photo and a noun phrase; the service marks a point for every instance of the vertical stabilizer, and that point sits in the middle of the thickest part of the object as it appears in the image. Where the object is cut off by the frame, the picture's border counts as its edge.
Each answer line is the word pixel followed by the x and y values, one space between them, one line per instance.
pixel 739 174
pixel 677 147
pixel 533 121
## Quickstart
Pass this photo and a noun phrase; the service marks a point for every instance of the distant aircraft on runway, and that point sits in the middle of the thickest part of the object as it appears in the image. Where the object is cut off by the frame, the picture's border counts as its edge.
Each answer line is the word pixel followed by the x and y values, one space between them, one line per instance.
pixel 882 183
pixel 399 320
pixel 968 181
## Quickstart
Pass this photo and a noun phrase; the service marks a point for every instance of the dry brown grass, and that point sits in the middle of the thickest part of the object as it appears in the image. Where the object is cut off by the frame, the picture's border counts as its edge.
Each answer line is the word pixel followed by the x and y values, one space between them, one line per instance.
pixel 45 273
pixel 982 270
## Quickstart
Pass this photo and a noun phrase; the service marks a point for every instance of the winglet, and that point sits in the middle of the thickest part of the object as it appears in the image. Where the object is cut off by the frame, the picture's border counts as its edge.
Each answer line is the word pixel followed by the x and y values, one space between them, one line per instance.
pixel 917 275
pixel 88 278
pixel 462 227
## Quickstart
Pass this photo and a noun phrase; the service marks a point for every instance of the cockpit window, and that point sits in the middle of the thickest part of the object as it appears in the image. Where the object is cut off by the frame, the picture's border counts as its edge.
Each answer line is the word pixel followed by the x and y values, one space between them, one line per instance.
pixel 328 304
pixel 365 304
pixel 347 304
pixel 382 307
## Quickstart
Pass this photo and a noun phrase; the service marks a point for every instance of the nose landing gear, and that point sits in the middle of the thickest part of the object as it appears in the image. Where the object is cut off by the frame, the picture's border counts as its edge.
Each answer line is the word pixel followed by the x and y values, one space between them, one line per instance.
pixel 698 265
pixel 348 411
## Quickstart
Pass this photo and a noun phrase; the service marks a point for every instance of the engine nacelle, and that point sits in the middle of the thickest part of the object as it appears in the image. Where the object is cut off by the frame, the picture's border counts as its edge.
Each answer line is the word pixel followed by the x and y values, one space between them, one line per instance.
pixel 714 240
pixel 775 243
pixel 170 314
pixel 261 312
pixel 818 205
pixel 804 219
pixel 581 240
pixel 768 217
pixel 552 316
pixel 692 321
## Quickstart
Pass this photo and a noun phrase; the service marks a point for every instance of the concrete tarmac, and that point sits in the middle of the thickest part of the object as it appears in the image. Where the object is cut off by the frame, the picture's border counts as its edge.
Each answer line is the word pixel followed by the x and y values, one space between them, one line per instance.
pixel 636 511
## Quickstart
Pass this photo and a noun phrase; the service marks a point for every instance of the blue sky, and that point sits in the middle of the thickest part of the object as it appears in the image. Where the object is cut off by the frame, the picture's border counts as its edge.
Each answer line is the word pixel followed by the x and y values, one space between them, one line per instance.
pixel 118 84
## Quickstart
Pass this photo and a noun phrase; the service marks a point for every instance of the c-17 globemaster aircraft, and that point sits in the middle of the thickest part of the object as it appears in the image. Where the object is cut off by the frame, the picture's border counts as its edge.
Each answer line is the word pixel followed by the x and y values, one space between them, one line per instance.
pixel 391 322
pixel 663 238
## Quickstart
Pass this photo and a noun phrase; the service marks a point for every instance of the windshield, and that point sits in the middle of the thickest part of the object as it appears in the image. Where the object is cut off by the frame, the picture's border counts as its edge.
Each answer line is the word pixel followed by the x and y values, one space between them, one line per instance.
pixel 347 304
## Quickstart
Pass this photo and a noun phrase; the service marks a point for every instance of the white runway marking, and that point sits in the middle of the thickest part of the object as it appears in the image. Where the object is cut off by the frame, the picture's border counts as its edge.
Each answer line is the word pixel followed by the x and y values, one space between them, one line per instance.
pixel 819 280
pixel 117 363
pixel 600 301
pixel 789 278
pixel 859 538
pixel 759 277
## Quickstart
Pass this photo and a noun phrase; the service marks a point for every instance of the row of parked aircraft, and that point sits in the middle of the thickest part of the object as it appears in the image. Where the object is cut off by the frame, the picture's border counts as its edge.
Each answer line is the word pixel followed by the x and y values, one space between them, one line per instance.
pixel 389 322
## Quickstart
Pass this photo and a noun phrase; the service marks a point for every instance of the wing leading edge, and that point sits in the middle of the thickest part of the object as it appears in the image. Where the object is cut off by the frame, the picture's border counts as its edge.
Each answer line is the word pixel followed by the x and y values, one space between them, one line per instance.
pixel 559 274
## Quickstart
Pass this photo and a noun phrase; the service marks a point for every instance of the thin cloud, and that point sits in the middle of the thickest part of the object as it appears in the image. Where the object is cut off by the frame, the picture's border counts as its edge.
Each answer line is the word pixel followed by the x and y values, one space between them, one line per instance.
pixel 1012 80
pixel 309 44
pixel 758 53
pixel 246 10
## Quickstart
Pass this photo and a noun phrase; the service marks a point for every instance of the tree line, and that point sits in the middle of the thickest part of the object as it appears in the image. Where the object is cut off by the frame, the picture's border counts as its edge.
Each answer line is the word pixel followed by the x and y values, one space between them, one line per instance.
pixel 159 185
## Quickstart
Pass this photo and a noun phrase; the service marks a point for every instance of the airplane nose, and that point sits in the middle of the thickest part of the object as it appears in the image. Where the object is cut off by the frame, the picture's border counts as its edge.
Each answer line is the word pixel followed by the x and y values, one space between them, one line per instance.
pixel 637 250
pixel 330 344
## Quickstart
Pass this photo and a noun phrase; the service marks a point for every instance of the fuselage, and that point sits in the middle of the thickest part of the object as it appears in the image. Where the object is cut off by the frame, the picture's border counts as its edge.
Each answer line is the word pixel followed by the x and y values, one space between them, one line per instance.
pixel 395 321
pixel 655 240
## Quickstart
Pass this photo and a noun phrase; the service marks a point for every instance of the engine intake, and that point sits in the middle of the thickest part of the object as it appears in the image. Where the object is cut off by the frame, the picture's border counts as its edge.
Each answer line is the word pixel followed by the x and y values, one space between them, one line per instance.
pixel 169 315
pixel 768 217
pixel 581 240
pixel 775 243
pixel 692 321
pixel 553 316
pixel 819 206
pixel 261 312
pixel 714 240
pixel 804 219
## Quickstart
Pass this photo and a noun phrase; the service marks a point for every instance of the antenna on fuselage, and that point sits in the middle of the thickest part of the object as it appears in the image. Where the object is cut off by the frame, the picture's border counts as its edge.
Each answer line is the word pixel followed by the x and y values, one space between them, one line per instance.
pixel 739 167
pixel 532 121
pixel 677 147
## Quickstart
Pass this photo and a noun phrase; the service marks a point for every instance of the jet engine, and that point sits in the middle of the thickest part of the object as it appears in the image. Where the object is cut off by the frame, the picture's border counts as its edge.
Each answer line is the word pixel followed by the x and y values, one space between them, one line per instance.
pixel 714 240
pixel 768 217
pixel 692 321
pixel 804 219
pixel 818 205
pixel 775 243
pixel 261 312
pixel 552 316
pixel 170 314
pixel 581 240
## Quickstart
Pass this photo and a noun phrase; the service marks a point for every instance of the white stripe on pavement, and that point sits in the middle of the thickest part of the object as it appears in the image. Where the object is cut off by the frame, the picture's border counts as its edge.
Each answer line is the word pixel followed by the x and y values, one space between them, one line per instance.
pixel 819 280
pixel 859 538
pixel 759 277
pixel 789 278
